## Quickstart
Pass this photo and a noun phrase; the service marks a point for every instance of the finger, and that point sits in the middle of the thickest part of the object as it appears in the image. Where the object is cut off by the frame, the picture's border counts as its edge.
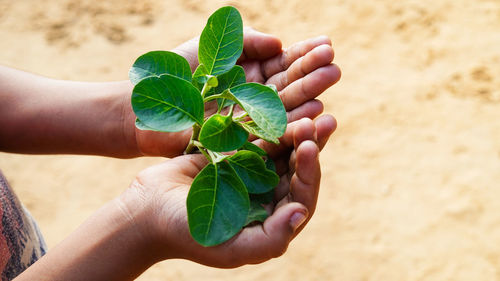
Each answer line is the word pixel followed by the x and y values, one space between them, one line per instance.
pixel 282 190
pixel 316 58
pixel 286 141
pixel 158 174
pixel 291 54
pixel 304 185
pixel 189 50
pixel 310 86
pixel 269 240
pixel 258 45
pixel 325 126
pixel 307 131
pixel 310 109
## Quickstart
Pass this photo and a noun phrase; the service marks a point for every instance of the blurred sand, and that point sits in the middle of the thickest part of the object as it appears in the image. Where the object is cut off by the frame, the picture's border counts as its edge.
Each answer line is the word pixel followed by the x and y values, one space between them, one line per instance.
pixel 411 180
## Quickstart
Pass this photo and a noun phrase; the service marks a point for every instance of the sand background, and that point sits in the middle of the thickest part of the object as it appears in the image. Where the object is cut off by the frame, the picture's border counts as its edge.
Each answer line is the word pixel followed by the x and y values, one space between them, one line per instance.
pixel 411 179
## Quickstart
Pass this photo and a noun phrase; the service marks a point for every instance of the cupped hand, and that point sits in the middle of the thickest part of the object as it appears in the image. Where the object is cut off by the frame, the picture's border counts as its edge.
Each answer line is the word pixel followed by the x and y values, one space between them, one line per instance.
pixel 301 73
pixel 159 197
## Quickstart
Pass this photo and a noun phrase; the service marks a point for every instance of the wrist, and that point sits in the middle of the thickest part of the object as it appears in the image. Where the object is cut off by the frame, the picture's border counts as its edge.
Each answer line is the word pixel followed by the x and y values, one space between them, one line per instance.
pixel 138 211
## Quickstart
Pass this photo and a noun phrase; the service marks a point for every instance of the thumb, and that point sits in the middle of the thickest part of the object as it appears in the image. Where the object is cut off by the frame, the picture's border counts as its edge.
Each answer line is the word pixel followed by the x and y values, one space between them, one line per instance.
pixel 270 240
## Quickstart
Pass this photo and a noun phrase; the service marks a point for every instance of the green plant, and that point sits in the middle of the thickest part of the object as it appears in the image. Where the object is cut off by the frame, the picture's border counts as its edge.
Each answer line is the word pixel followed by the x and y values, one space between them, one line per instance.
pixel 230 191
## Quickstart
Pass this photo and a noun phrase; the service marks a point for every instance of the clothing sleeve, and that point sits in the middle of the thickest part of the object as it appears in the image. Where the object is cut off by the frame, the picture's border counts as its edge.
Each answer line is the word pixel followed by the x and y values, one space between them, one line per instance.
pixel 21 242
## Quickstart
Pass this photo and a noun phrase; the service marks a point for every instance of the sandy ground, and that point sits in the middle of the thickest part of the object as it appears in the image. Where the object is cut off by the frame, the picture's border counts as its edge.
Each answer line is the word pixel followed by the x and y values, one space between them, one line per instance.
pixel 411 181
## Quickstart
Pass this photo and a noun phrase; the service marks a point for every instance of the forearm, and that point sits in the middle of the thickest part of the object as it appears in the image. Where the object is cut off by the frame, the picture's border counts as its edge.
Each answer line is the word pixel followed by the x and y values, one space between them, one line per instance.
pixel 108 246
pixel 41 115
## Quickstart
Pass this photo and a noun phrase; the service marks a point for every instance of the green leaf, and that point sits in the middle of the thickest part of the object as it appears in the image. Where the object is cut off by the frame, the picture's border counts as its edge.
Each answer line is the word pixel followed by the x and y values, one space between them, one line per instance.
pixel 167 103
pixel 252 147
pixel 265 108
pixel 264 198
pixel 157 63
pixel 273 87
pixel 199 77
pixel 141 126
pixel 270 164
pixel 256 213
pixel 217 205
pixel 220 133
pixel 233 77
pixel 221 41
pixel 252 128
pixel 252 170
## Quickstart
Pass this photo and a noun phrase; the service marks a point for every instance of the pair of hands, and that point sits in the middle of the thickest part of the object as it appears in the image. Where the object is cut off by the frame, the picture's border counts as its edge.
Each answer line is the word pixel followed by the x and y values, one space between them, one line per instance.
pixel 148 222
pixel 300 73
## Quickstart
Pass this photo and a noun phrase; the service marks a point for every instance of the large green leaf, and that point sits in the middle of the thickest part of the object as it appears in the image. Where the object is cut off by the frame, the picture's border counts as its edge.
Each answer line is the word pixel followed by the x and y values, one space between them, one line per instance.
pixel 252 170
pixel 156 63
pixel 264 106
pixel 217 205
pixel 220 133
pixel 221 41
pixel 264 198
pixel 167 103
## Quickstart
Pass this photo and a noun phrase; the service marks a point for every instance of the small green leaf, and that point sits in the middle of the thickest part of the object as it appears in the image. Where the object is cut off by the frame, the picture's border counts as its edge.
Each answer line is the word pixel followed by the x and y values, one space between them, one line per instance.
pixel 233 77
pixel 167 103
pixel 252 147
pixel 212 81
pixel 256 213
pixel 270 164
pixel 221 41
pixel 217 205
pixel 252 170
pixel 264 106
pixel 252 128
pixel 220 133
pixel 157 63
pixel 199 77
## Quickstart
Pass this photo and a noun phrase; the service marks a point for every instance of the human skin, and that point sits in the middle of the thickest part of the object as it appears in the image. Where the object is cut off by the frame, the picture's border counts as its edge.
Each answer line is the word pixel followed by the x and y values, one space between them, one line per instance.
pixel 148 222
pixel 97 118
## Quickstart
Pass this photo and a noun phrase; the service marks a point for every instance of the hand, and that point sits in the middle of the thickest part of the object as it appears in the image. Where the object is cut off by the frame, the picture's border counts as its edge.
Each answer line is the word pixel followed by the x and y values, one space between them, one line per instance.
pixel 300 72
pixel 158 196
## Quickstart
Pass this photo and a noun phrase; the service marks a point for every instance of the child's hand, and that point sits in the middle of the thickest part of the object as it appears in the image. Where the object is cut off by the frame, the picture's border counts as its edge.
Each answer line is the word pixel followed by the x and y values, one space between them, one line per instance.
pixel 157 202
pixel 301 73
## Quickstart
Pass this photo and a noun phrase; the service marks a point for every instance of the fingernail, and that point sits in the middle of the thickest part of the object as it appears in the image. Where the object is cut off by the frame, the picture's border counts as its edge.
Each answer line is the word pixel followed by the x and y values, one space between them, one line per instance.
pixel 297 219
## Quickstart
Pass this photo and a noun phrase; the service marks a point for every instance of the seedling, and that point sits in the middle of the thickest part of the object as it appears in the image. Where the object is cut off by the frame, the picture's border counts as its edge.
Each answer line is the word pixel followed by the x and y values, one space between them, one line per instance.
pixel 230 191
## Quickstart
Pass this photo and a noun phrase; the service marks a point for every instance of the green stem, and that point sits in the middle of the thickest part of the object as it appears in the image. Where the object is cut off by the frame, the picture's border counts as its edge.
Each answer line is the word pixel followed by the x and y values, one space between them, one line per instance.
pixel 205 89
pixel 194 137
pixel 231 109
pixel 204 152
pixel 241 117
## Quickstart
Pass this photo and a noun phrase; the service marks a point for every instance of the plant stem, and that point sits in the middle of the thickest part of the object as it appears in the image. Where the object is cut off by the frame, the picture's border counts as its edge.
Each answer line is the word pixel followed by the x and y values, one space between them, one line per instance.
pixel 194 137
pixel 231 109
pixel 205 89
pixel 241 117
pixel 209 158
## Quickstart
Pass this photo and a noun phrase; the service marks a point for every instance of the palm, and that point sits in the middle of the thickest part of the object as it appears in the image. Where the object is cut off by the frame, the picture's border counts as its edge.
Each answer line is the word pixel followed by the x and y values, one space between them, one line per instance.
pixel 163 191
pixel 167 186
pixel 300 73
